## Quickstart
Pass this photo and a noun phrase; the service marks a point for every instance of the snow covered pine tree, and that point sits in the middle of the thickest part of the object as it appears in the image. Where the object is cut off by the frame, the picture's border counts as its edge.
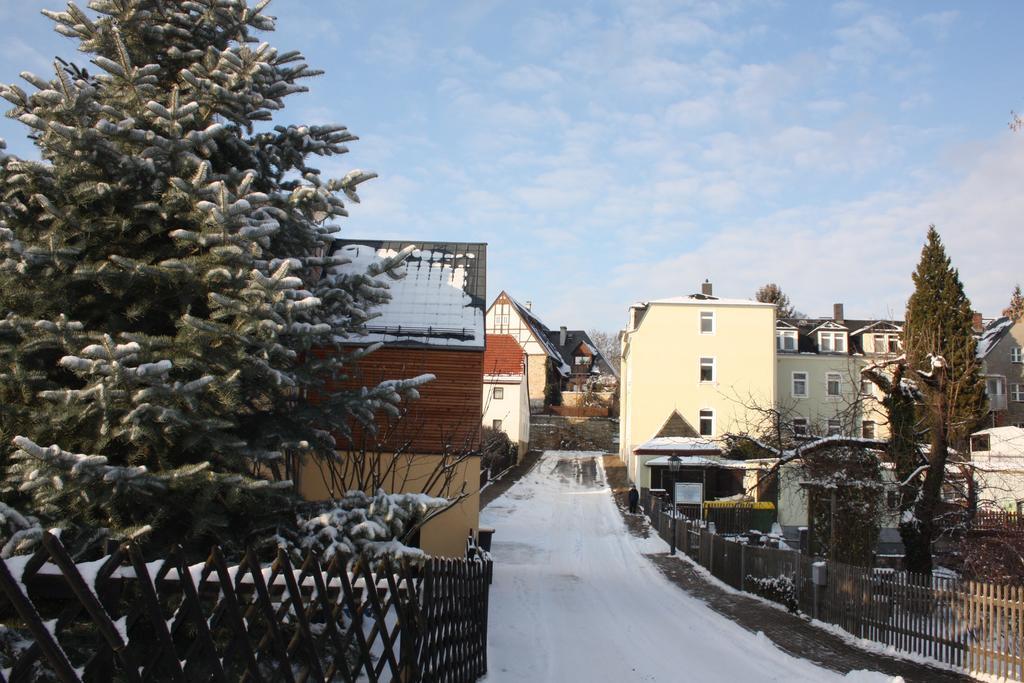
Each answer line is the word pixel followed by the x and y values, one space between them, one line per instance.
pixel 158 284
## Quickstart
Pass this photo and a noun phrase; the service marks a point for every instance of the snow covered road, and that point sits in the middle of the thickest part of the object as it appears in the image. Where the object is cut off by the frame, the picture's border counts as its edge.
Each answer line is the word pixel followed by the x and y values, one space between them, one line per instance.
pixel 574 599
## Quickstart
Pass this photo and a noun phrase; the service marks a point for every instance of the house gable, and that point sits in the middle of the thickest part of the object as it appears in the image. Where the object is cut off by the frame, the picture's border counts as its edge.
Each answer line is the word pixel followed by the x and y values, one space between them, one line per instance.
pixel 676 425
pixel 507 316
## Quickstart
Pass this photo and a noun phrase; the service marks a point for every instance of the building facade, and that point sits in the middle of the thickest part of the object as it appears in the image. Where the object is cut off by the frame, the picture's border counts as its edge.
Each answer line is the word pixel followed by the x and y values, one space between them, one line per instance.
pixel 820 388
pixel 1001 352
pixel 693 366
pixel 702 366
pixel 433 324
pixel 544 365
pixel 997 461
pixel 506 394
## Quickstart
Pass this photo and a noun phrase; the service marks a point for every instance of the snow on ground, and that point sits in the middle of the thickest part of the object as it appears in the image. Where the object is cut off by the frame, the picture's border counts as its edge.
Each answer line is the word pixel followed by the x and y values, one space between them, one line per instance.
pixel 574 599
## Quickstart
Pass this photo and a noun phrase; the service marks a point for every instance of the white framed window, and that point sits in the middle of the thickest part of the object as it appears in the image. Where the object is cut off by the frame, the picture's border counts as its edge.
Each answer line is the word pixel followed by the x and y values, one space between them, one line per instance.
pixel 799 426
pixel 995 386
pixel 707 322
pixel 498 393
pixel 707 369
pixel 582 360
pixel 496 424
pixel 785 340
pixel 867 429
pixel 832 342
pixel 706 422
pixel 1017 393
pixel 502 321
pixel 1016 354
pixel 833 384
pixel 835 427
pixel 799 384
pixel 886 343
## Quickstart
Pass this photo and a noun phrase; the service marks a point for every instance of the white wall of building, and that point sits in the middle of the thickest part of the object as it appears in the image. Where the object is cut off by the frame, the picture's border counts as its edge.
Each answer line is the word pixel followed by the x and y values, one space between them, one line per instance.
pixel 512 407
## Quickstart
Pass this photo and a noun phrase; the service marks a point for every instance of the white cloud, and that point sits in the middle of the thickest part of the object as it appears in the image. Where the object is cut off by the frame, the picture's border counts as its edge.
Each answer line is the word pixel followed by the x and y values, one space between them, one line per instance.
pixel 863 252
pixel 939 23
pixel 692 112
pixel 868 38
pixel 848 8
pixel 394 46
pixel 530 77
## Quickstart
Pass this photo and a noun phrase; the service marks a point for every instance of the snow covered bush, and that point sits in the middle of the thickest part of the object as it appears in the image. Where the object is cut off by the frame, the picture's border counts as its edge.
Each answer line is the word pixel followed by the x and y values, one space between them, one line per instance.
pixel 778 589
pixel 375 526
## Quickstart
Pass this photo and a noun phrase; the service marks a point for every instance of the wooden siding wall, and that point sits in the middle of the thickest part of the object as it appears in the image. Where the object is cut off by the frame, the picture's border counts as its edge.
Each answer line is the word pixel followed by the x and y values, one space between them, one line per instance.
pixel 446 417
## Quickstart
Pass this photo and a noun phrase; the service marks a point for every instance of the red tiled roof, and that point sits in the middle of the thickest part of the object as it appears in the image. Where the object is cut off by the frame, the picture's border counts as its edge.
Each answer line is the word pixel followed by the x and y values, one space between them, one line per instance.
pixel 503 355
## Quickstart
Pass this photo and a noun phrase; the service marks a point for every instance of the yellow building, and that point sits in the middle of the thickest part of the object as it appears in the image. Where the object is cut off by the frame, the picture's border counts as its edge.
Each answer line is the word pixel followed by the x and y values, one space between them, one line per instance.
pixel 693 366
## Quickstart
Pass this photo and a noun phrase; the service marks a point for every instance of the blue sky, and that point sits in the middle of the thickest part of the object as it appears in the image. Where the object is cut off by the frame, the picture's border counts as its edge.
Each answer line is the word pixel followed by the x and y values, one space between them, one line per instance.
pixel 611 152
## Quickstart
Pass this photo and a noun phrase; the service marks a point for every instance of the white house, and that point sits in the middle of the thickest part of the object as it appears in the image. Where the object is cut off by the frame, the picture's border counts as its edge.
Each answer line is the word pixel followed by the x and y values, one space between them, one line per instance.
pixel 544 364
pixel 506 392
pixel 997 456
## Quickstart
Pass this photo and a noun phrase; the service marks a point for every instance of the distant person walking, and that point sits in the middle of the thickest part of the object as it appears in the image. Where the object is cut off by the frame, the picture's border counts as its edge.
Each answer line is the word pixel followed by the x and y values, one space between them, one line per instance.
pixel 634 499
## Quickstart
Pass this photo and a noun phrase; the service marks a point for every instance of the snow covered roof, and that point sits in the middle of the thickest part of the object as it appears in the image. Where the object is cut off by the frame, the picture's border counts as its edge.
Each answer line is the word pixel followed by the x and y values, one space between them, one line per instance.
pixel 701 300
pixel 1006 432
pixel 701 461
pixel 993 333
pixel 440 300
pixel 678 444
pixel 807 341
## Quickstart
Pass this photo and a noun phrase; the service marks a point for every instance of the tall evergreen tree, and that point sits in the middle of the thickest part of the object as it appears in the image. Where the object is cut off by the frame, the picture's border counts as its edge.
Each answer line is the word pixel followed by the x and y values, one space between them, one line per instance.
pixel 1015 311
pixel 159 282
pixel 940 351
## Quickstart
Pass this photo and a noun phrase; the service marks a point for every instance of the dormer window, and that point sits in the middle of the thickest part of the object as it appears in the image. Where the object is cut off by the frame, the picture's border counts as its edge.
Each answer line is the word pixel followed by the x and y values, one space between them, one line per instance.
pixel 832 342
pixel 886 343
pixel 785 340
pixel 582 360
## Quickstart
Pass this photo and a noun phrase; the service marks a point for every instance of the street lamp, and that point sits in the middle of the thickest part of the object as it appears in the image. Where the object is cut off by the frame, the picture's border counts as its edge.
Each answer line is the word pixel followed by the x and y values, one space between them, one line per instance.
pixel 673 465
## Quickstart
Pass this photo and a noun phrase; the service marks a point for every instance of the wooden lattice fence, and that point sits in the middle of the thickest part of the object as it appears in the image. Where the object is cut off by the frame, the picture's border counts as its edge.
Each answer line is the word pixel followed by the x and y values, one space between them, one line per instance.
pixel 121 618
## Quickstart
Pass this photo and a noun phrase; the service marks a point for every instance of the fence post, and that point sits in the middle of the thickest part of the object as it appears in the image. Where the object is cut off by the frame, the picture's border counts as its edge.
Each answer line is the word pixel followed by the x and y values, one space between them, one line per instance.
pixel 743 565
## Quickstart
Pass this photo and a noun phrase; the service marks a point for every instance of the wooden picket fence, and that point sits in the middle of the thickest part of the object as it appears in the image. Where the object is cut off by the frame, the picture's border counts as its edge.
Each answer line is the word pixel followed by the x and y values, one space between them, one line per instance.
pixel 997 520
pixel 121 618
pixel 973 626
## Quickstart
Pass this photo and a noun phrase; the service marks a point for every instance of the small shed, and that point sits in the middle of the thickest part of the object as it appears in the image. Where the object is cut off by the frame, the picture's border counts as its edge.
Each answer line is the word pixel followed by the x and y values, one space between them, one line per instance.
pixel 701 462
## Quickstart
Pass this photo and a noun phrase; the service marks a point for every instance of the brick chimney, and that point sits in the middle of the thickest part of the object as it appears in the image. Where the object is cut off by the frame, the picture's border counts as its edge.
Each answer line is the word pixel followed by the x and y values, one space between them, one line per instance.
pixel 837 312
pixel 562 331
pixel 976 322
pixel 705 288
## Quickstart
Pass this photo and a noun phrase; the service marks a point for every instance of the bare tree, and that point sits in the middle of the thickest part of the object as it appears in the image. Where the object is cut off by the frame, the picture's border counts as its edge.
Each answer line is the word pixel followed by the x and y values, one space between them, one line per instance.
pixel 608 346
